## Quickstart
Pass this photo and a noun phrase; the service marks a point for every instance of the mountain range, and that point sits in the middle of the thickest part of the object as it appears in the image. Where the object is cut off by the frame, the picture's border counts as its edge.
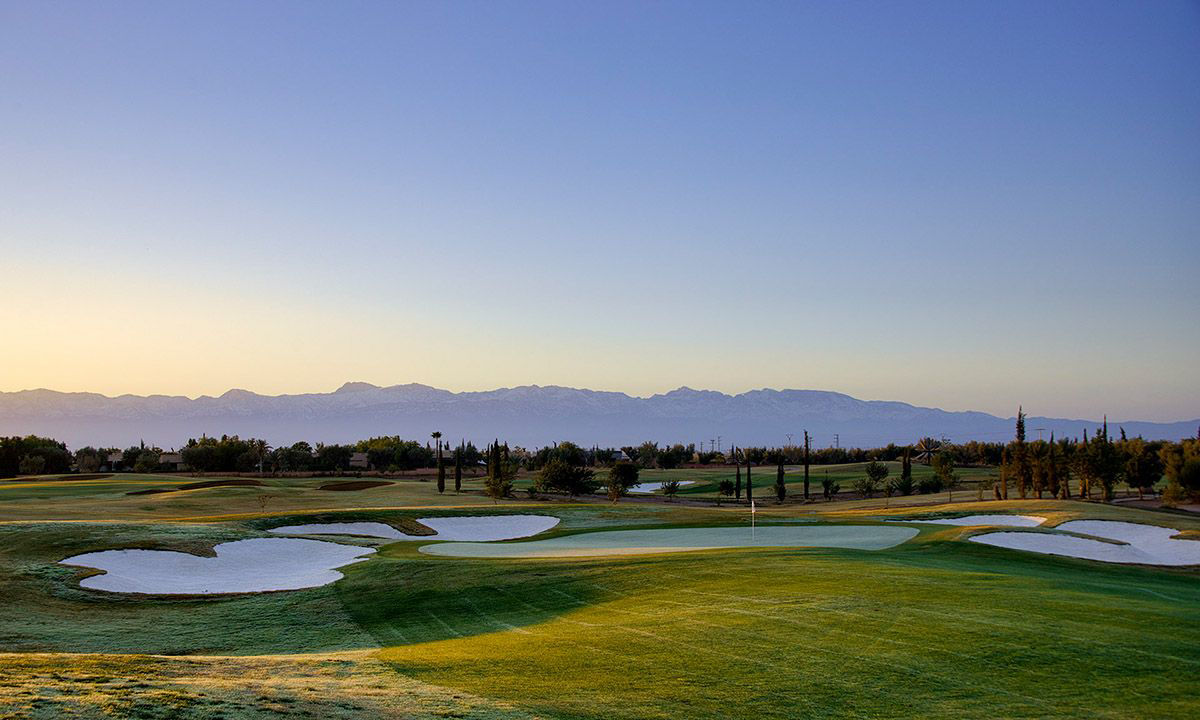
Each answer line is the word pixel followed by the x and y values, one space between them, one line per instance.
pixel 529 416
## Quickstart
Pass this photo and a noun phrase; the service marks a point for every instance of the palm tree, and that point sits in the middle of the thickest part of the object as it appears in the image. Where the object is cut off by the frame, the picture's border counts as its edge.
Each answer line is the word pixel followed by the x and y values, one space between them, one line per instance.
pixel 261 448
pixel 926 448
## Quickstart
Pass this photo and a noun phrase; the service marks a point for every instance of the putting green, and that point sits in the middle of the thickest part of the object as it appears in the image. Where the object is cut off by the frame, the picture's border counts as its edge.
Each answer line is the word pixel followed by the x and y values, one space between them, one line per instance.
pixel 645 542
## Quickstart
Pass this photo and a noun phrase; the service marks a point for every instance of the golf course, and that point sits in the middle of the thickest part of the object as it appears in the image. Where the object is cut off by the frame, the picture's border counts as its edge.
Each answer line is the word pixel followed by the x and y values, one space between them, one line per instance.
pixel 454 605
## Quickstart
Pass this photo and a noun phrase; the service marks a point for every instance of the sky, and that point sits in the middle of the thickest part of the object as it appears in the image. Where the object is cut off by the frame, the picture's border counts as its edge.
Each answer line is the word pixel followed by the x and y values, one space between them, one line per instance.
pixel 967 205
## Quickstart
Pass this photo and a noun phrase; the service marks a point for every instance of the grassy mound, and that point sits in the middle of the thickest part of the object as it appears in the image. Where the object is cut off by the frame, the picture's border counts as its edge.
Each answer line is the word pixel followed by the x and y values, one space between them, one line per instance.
pixel 354 485
pixel 233 482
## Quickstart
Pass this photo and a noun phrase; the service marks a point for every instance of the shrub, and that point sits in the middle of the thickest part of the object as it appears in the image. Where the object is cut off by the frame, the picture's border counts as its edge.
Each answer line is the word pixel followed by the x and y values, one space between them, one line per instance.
pixel 558 475
pixel 876 473
pixel 724 488
pixel 928 485
pixel 670 487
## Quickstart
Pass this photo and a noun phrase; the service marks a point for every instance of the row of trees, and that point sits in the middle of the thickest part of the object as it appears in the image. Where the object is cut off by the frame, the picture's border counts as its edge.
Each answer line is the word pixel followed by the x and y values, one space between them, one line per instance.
pixel 33 455
pixel 1096 465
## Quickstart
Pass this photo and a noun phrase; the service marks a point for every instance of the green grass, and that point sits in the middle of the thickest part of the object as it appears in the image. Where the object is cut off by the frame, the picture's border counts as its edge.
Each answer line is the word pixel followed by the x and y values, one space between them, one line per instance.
pixel 934 628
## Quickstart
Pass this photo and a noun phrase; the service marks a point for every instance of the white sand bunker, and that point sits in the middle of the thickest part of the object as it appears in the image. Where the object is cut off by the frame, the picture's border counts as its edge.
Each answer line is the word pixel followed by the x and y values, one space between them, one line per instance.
pixel 649 487
pixel 243 566
pixel 363 529
pixel 1009 520
pixel 1145 544
pixel 476 528
pixel 642 542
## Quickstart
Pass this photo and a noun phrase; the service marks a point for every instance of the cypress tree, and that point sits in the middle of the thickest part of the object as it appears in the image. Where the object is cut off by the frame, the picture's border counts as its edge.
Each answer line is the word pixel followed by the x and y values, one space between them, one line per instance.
pixel 749 485
pixel 441 468
pixel 805 466
pixel 1081 453
pixel 1020 457
pixel 737 487
pixel 780 485
pixel 458 468
pixel 1003 481
pixel 1052 470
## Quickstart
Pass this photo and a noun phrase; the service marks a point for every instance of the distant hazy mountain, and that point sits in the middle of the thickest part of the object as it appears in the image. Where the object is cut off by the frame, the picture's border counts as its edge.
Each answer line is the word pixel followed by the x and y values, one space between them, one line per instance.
pixel 528 416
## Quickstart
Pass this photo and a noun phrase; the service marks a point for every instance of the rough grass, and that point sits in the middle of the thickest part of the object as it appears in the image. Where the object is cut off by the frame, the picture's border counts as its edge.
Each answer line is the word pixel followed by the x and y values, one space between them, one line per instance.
pixel 342 686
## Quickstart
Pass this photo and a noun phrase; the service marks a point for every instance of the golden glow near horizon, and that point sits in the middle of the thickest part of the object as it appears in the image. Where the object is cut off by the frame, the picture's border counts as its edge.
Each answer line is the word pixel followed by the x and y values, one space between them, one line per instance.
pixel 161 338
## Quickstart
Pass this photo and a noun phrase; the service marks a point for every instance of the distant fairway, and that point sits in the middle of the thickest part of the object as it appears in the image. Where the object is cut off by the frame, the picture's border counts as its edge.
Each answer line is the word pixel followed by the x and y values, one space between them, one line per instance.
pixel 934 627
pixel 665 540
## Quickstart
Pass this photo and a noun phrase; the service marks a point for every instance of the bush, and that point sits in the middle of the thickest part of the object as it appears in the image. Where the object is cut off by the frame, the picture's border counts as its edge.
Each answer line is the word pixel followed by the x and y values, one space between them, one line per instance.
pixel 558 475
pixel 876 474
pixel 928 485
pixel 725 487
pixel 670 487
pixel 866 486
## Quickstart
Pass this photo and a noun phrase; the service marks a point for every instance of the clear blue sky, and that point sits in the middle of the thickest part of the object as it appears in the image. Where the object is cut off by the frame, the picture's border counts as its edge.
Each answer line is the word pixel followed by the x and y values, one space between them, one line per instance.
pixel 961 204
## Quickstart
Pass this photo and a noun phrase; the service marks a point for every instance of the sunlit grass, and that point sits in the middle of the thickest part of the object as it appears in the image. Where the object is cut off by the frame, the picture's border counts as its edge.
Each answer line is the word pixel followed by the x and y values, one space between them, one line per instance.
pixel 936 627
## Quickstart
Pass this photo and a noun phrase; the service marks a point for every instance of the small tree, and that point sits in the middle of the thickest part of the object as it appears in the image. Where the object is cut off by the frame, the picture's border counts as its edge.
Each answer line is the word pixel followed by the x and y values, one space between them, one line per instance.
pixel 621 476
pixel 780 485
pixel 724 488
pixel 869 484
pixel 670 487
pixel 943 466
pixel 830 487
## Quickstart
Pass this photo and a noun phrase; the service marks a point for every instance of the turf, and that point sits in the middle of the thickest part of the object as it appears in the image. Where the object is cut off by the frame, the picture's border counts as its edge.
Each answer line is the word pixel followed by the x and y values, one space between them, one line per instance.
pixel 936 627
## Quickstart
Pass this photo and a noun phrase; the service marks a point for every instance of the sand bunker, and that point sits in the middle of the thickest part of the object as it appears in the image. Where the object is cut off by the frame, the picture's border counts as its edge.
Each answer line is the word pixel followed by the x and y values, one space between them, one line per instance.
pixel 649 487
pixel 642 542
pixel 477 528
pixel 1010 520
pixel 1145 544
pixel 363 529
pixel 242 566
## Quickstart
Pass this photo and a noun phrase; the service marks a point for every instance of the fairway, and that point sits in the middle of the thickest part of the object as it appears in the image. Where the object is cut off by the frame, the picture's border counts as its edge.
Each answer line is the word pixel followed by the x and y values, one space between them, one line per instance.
pixel 824 610
pixel 649 542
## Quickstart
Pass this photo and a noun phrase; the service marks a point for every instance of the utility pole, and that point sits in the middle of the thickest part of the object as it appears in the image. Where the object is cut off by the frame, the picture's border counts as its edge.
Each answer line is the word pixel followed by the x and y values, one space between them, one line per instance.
pixel 789 437
pixel 718 443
